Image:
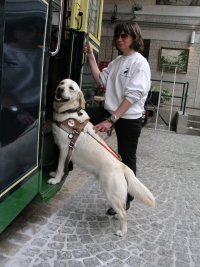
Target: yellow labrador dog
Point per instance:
(91, 153)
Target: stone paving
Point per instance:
(72, 230)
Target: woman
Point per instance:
(127, 82)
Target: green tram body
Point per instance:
(29, 74)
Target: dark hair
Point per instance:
(132, 29)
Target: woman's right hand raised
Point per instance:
(87, 49)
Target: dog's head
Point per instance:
(68, 95)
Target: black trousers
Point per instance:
(127, 131)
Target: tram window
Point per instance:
(94, 17)
(22, 62)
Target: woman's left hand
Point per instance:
(103, 126)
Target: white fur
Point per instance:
(116, 178)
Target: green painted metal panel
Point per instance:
(34, 189)
(47, 191)
(17, 201)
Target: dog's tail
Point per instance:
(137, 189)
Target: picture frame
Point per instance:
(173, 58)
(178, 2)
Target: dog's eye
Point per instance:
(71, 88)
(61, 83)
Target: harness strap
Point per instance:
(77, 128)
(70, 150)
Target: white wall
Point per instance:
(165, 26)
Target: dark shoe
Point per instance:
(127, 205)
(112, 212)
(129, 198)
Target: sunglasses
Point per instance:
(121, 35)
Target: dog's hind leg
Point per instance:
(60, 169)
(121, 212)
(115, 187)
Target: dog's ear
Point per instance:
(81, 100)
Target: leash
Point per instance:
(108, 148)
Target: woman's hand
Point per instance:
(87, 49)
(103, 126)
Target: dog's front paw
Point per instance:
(54, 181)
(119, 233)
(52, 174)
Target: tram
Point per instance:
(41, 43)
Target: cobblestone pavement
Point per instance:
(72, 230)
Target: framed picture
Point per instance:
(173, 58)
(178, 2)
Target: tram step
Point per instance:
(194, 118)
(193, 131)
(193, 124)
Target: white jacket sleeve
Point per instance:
(104, 74)
(138, 86)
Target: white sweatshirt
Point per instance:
(127, 77)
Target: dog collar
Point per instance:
(72, 124)
(78, 110)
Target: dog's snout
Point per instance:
(60, 90)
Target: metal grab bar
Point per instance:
(172, 101)
(59, 29)
(159, 99)
(184, 93)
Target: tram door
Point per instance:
(23, 25)
(28, 78)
